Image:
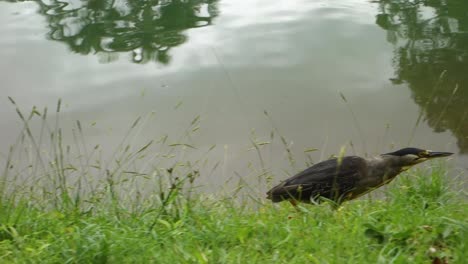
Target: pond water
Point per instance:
(369, 75)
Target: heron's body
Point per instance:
(346, 178)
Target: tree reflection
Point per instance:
(431, 55)
(146, 28)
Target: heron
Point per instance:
(346, 178)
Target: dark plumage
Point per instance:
(325, 179)
(346, 178)
(406, 151)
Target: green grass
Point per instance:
(419, 216)
(64, 206)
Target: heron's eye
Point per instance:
(422, 154)
(412, 157)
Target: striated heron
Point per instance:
(346, 178)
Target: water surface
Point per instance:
(401, 68)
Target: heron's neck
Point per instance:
(383, 168)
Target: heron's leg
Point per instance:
(294, 203)
(336, 205)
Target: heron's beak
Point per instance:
(435, 154)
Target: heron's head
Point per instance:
(408, 157)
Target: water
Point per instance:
(372, 76)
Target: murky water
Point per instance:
(371, 76)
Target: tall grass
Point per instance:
(64, 203)
(50, 175)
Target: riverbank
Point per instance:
(421, 219)
(66, 204)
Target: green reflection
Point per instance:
(431, 56)
(146, 28)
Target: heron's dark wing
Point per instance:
(330, 179)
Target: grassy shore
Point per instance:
(419, 221)
(64, 206)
